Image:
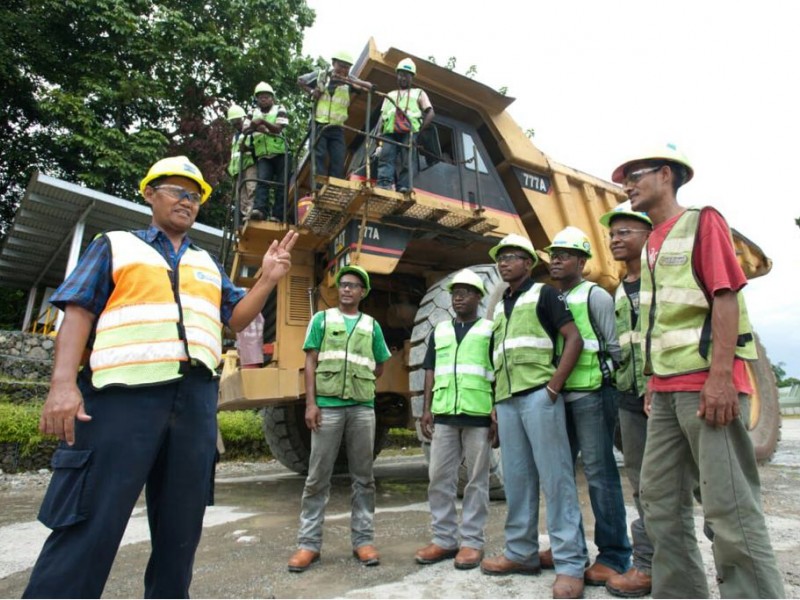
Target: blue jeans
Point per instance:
(387, 162)
(590, 425)
(357, 425)
(330, 145)
(536, 454)
(270, 175)
(163, 437)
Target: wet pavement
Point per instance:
(251, 532)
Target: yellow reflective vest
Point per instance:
(630, 373)
(408, 103)
(331, 108)
(268, 144)
(346, 363)
(147, 328)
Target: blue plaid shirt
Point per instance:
(90, 284)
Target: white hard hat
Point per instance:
(467, 277)
(263, 86)
(624, 210)
(664, 152)
(514, 240)
(407, 65)
(572, 238)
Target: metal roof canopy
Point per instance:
(57, 220)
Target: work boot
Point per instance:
(256, 215)
(432, 553)
(631, 584)
(500, 565)
(367, 555)
(598, 574)
(546, 559)
(468, 558)
(302, 559)
(567, 587)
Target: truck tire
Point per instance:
(289, 439)
(765, 412)
(434, 308)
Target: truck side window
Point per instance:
(470, 151)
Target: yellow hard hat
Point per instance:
(176, 166)
(263, 86)
(665, 152)
(624, 210)
(572, 238)
(342, 56)
(355, 269)
(467, 277)
(407, 65)
(236, 112)
(514, 240)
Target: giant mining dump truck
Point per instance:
(479, 179)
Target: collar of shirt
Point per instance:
(524, 287)
(159, 240)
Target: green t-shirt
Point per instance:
(314, 335)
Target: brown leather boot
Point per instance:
(302, 559)
(500, 565)
(546, 559)
(468, 558)
(433, 553)
(367, 555)
(567, 587)
(598, 574)
(633, 583)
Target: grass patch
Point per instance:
(19, 424)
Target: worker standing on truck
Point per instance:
(345, 351)
(456, 417)
(405, 112)
(242, 160)
(532, 423)
(331, 89)
(148, 306)
(591, 403)
(627, 233)
(696, 337)
(269, 121)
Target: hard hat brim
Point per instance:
(204, 187)
(606, 219)
(361, 273)
(495, 249)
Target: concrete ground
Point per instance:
(250, 534)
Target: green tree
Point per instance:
(95, 91)
(780, 375)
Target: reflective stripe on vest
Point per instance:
(331, 108)
(138, 339)
(674, 311)
(408, 103)
(267, 144)
(463, 377)
(346, 363)
(586, 375)
(236, 155)
(523, 351)
(630, 374)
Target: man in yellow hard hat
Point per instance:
(532, 423)
(591, 402)
(696, 339)
(269, 121)
(148, 308)
(456, 417)
(405, 112)
(331, 89)
(627, 234)
(345, 351)
(242, 160)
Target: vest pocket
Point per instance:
(363, 386)
(524, 356)
(67, 499)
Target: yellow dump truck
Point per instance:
(479, 178)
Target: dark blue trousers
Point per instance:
(162, 437)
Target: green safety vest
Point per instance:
(630, 374)
(523, 350)
(346, 363)
(331, 109)
(462, 382)
(409, 104)
(267, 144)
(233, 167)
(674, 310)
(587, 375)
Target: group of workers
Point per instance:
(547, 378)
(259, 154)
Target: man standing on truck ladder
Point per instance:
(148, 306)
(331, 89)
(345, 352)
(532, 423)
(457, 417)
(627, 233)
(269, 121)
(695, 338)
(591, 403)
(242, 157)
(405, 112)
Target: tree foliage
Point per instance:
(780, 375)
(95, 91)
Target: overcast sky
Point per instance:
(598, 80)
